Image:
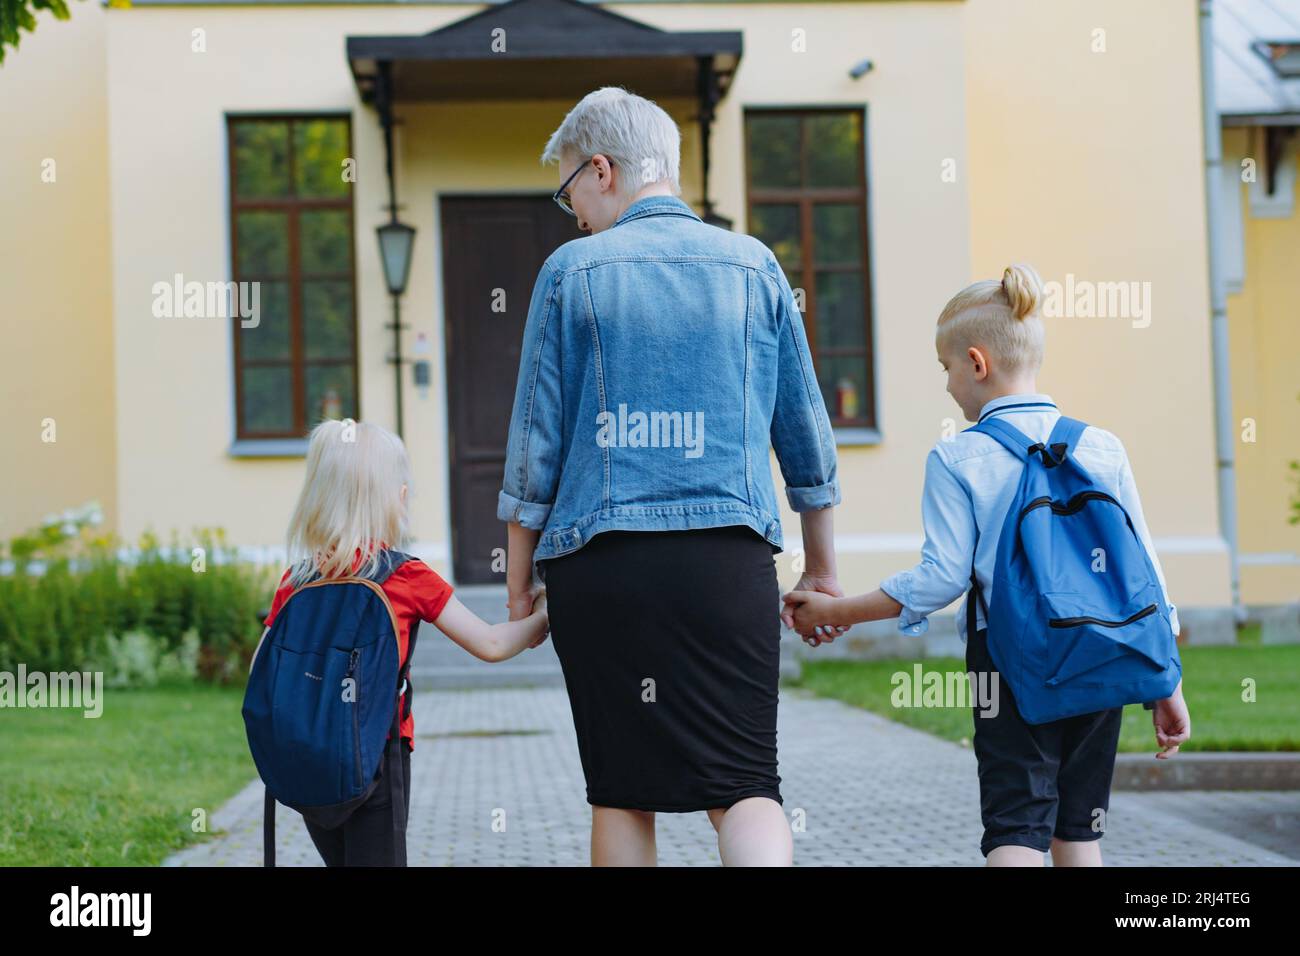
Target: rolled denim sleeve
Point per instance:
(533, 444)
(943, 573)
(801, 429)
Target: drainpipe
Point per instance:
(1224, 429)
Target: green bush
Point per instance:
(138, 659)
(70, 602)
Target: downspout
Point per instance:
(1224, 430)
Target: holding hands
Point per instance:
(814, 615)
(528, 603)
(814, 609)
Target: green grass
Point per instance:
(120, 789)
(1212, 686)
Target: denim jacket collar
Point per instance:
(1016, 401)
(656, 206)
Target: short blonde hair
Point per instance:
(1000, 317)
(635, 132)
(351, 500)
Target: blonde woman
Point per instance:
(350, 512)
(662, 358)
(1041, 785)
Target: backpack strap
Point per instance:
(268, 829)
(389, 562)
(397, 784)
(405, 673)
(976, 594)
(1007, 435)
(1066, 431)
(1018, 443)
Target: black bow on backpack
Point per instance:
(1053, 455)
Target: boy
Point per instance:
(1044, 786)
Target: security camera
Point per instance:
(862, 69)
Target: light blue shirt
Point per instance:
(970, 481)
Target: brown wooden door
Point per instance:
(489, 243)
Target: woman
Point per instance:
(661, 356)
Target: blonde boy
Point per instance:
(1041, 786)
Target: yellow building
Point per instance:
(890, 152)
(1257, 79)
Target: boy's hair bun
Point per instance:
(1002, 318)
(1023, 288)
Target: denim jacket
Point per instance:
(661, 358)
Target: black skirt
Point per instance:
(670, 645)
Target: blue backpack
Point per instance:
(323, 693)
(1077, 622)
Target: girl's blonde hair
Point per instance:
(1001, 317)
(351, 500)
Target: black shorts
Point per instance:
(1040, 780)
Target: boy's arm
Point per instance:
(492, 642)
(820, 618)
(1172, 723)
(1132, 503)
(943, 573)
(940, 578)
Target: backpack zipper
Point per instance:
(356, 711)
(1076, 621)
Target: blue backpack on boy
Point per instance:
(323, 694)
(1077, 622)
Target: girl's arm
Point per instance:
(493, 642)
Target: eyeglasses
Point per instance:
(566, 202)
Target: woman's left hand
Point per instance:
(824, 584)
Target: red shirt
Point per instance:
(417, 593)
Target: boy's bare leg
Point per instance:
(1011, 855)
(622, 837)
(753, 832)
(1076, 852)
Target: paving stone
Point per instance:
(870, 792)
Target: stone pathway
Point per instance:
(867, 790)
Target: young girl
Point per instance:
(1040, 785)
(352, 507)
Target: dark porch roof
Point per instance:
(554, 49)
